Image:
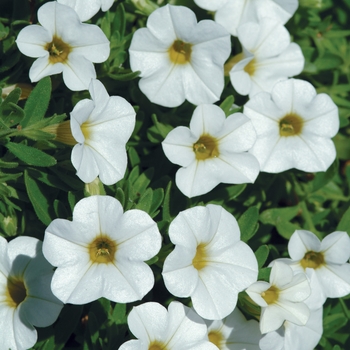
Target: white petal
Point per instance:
(255, 290)
(301, 242)
(240, 79)
(210, 5)
(84, 9)
(99, 95)
(336, 247)
(297, 290)
(79, 115)
(42, 68)
(281, 274)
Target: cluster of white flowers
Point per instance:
(102, 251)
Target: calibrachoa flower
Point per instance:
(87, 8)
(101, 253)
(291, 336)
(234, 332)
(101, 126)
(294, 126)
(26, 299)
(268, 56)
(213, 150)
(210, 263)
(180, 59)
(324, 262)
(233, 13)
(282, 298)
(179, 328)
(63, 45)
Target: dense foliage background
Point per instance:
(38, 182)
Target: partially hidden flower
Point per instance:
(234, 332)
(294, 126)
(291, 336)
(156, 328)
(101, 128)
(282, 298)
(268, 56)
(101, 253)
(213, 150)
(210, 263)
(26, 299)
(324, 262)
(233, 13)
(62, 44)
(87, 8)
(179, 58)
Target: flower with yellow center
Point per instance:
(101, 253)
(324, 262)
(234, 332)
(213, 150)
(101, 128)
(210, 263)
(232, 14)
(63, 44)
(268, 56)
(294, 126)
(179, 58)
(26, 299)
(282, 298)
(178, 328)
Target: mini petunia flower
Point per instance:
(178, 328)
(282, 298)
(102, 127)
(213, 150)
(179, 58)
(234, 332)
(294, 127)
(63, 45)
(101, 253)
(324, 262)
(26, 299)
(268, 56)
(87, 8)
(210, 263)
(233, 13)
(291, 336)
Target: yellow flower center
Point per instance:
(156, 345)
(200, 260)
(102, 250)
(270, 295)
(250, 67)
(58, 50)
(313, 260)
(216, 338)
(291, 125)
(85, 129)
(180, 52)
(16, 292)
(206, 147)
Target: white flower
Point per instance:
(234, 332)
(180, 59)
(291, 336)
(63, 44)
(213, 150)
(282, 298)
(26, 299)
(233, 13)
(294, 126)
(179, 328)
(325, 263)
(268, 56)
(210, 263)
(87, 8)
(101, 126)
(101, 253)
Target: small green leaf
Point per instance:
(119, 314)
(30, 155)
(38, 200)
(286, 229)
(344, 224)
(140, 185)
(261, 255)
(248, 223)
(166, 203)
(276, 215)
(227, 104)
(37, 103)
(145, 201)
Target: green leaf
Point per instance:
(140, 185)
(344, 224)
(166, 203)
(145, 201)
(37, 103)
(38, 200)
(30, 155)
(118, 24)
(12, 97)
(158, 196)
(261, 255)
(119, 314)
(277, 215)
(286, 229)
(248, 223)
(322, 178)
(264, 274)
(227, 104)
